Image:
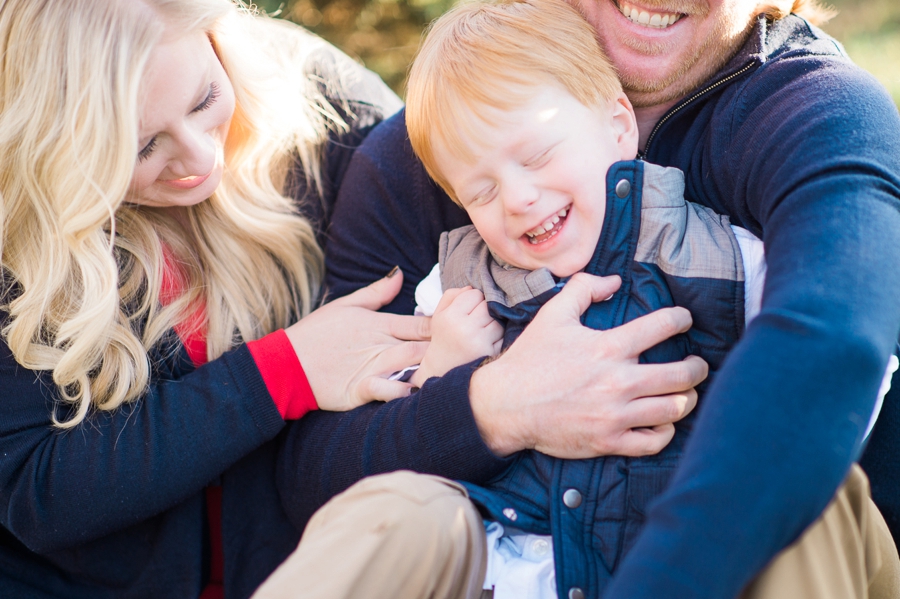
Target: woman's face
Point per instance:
(184, 114)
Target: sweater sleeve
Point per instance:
(810, 156)
(60, 489)
(283, 375)
(388, 212)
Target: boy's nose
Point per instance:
(518, 195)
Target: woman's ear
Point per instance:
(625, 125)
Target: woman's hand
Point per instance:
(348, 350)
(574, 392)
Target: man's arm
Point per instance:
(810, 156)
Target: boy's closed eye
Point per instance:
(482, 197)
(540, 159)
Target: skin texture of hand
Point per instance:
(462, 330)
(574, 392)
(348, 350)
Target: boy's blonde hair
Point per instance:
(82, 269)
(494, 54)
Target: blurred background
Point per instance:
(384, 34)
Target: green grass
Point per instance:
(870, 32)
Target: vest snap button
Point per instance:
(623, 188)
(572, 498)
(511, 514)
(576, 593)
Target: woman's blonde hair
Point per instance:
(82, 269)
(495, 54)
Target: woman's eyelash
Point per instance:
(148, 149)
(211, 97)
(214, 92)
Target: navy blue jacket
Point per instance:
(794, 143)
(667, 253)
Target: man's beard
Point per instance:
(705, 61)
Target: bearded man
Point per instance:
(773, 126)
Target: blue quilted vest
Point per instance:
(668, 252)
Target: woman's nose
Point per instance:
(195, 155)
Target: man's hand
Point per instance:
(573, 392)
(348, 350)
(462, 330)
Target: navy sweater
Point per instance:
(794, 143)
(115, 507)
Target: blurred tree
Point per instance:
(385, 34)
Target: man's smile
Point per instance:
(648, 18)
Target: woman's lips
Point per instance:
(186, 182)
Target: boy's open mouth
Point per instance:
(641, 16)
(548, 228)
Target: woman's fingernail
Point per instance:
(394, 271)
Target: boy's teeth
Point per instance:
(648, 19)
(548, 225)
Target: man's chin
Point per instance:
(648, 97)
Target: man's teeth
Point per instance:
(648, 19)
(548, 224)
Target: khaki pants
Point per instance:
(405, 535)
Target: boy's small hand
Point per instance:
(462, 330)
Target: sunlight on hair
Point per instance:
(495, 54)
(83, 269)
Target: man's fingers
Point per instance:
(633, 338)
(648, 412)
(645, 441)
(579, 292)
(672, 377)
(375, 295)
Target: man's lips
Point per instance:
(186, 182)
(646, 17)
(548, 228)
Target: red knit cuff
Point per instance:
(283, 375)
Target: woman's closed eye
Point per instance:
(210, 98)
(147, 150)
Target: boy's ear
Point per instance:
(625, 125)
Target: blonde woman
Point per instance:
(158, 289)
